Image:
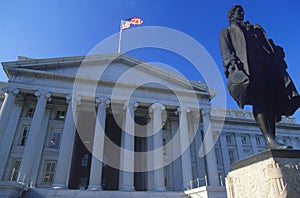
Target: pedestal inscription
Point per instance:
(270, 174)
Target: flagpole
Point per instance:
(120, 37)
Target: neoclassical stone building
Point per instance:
(112, 122)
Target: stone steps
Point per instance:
(49, 193)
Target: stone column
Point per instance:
(64, 161)
(98, 145)
(211, 160)
(157, 110)
(9, 136)
(126, 179)
(6, 108)
(186, 163)
(34, 135)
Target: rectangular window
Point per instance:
(229, 139)
(15, 170)
(31, 111)
(231, 154)
(286, 141)
(55, 139)
(85, 160)
(24, 135)
(258, 140)
(245, 139)
(49, 171)
(60, 115)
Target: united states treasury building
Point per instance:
(112, 134)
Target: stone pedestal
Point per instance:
(269, 174)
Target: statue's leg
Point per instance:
(267, 128)
(271, 123)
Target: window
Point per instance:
(49, 172)
(245, 139)
(285, 140)
(231, 154)
(24, 135)
(258, 140)
(31, 111)
(85, 160)
(55, 139)
(15, 170)
(60, 115)
(229, 139)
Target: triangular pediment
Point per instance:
(112, 68)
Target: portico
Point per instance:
(134, 139)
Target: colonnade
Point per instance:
(126, 174)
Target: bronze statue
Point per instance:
(271, 92)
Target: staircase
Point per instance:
(49, 193)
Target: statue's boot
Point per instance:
(271, 143)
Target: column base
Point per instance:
(127, 188)
(59, 186)
(95, 188)
(159, 189)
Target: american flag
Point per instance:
(135, 21)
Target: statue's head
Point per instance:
(236, 13)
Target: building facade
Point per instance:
(111, 122)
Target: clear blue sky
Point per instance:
(55, 28)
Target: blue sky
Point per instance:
(53, 28)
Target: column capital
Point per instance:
(156, 107)
(102, 101)
(182, 109)
(43, 94)
(130, 103)
(205, 112)
(11, 90)
(76, 98)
